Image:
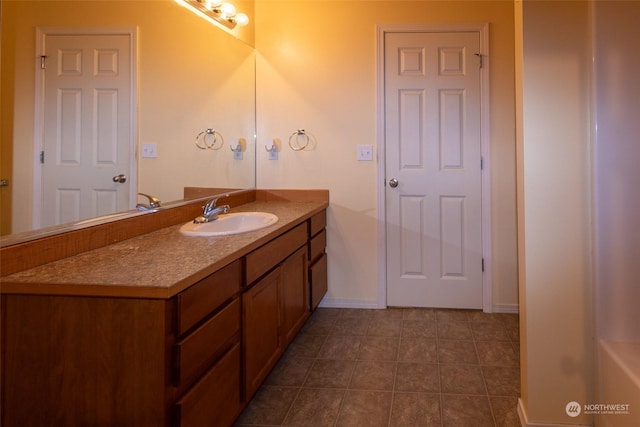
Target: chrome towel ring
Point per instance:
(299, 140)
(209, 144)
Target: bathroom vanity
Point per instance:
(161, 329)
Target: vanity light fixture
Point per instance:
(216, 11)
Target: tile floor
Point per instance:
(395, 367)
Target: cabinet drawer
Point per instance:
(215, 399)
(318, 280)
(317, 245)
(317, 223)
(202, 347)
(195, 303)
(266, 257)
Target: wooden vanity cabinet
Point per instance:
(195, 359)
(276, 305)
(94, 361)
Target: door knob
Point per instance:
(122, 178)
(393, 183)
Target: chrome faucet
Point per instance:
(210, 211)
(154, 203)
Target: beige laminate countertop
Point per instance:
(159, 264)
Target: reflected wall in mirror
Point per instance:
(191, 76)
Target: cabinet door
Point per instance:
(261, 315)
(295, 294)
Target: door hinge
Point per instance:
(43, 61)
(42, 157)
(483, 265)
(479, 55)
(481, 163)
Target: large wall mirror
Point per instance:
(191, 75)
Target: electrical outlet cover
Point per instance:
(365, 152)
(149, 150)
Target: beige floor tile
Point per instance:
(418, 377)
(461, 379)
(269, 405)
(330, 373)
(489, 332)
(466, 410)
(454, 330)
(306, 345)
(502, 381)
(379, 348)
(340, 347)
(497, 353)
(365, 408)
(505, 411)
(315, 407)
(396, 367)
(350, 326)
(443, 314)
(385, 327)
(419, 314)
(415, 409)
(457, 351)
(290, 371)
(423, 328)
(373, 375)
(417, 349)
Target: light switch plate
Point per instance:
(149, 150)
(365, 152)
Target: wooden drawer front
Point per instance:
(215, 399)
(317, 223)
(318, 276)
(266, 257)
(195, 303)
(200, 349)
(317, 245)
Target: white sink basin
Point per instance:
(232, 223)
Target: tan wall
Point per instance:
(554, 210)
(317, 70)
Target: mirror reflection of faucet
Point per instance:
(210, 211)
(154, 203)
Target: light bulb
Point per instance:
(212, 4)
(228, 10)
(241, 19)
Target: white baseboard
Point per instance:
(352, 303)
(524, 422)
(506, 308)
(346, 303)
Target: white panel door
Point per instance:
(86, 127)
(432, 143)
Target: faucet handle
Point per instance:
(154, 202)
(210, 204)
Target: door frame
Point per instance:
(38, 122)
(483, 30)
